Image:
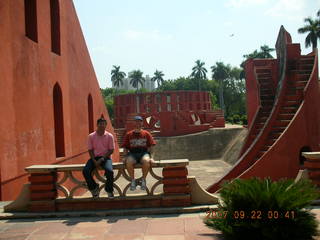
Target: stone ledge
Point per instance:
(117, 165)
(105, 213)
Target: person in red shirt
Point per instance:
(138, 145)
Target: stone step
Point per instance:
(107, 213)
(267, 97)
(275, 134)
(291, 103)
(298, 83)
(263, 70)
(285, 116)
(281, 123)
(306, 60)
(293, 98)
(284, 110)
(264, 75)
(271, 141)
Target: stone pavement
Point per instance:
(164, 227)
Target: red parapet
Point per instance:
(172, 113)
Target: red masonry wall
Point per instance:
(29, 71)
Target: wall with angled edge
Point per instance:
(29, 71)
(282, 159)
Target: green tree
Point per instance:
(117, 76)
(265, 52)
(221, 73)
(199, 72)
(158, 76)
(313, 29)
(136, 78)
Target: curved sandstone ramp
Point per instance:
(277, 136)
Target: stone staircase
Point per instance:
(267, 96)
(291, 102)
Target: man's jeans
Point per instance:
(107, 166)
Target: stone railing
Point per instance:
(54, 187)
(312, 164)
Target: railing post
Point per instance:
(176, 189)
(312, 164)
(43, 191)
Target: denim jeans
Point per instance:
(108, 172)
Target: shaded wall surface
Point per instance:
(211, 144)
(30, 69)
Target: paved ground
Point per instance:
(164, 227)
(174, 227)
(151, 227)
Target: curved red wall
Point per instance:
(29, 71)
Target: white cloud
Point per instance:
(151, 35)
(242, 3)
(290, 9)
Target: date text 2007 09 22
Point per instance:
(254, 214)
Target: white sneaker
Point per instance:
(110, 195)
(143, 184)
(133, 185)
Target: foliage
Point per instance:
(136, 78)
(199, 72)
(117, 76)
(264, 209)
(264, 52)
(313, 29)
(158, 77)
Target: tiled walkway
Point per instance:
(161, 227)
(184, 227)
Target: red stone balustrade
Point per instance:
(62, 188)
(312, 164)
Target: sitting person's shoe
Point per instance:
(143, 184)
(110, 195)
(95, 192)
(133, 185)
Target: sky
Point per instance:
(170, 35)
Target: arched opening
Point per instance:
(58, 121)
(30, 15)
(55, 26)
(302, 159)
(90, 114)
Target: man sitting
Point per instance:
(100, 148)
(138, 148)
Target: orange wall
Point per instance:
(29, 71)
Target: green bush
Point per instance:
(261, 209)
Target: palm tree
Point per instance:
(265, 52)
(221, 72)
(136, 78)
(158, 76)
(313, 30)
(117, 76)
(199, 71)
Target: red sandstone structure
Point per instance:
(50, 97)
(172, 113)
(283, 114)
